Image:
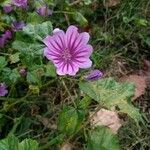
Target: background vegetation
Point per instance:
(39, 105)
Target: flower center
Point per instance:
(66, 55)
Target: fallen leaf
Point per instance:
(140, 84)
(106, 118)
(146, 71)
(47, 122)
(140, 78)
(66, 146)
(147, 65)
(111, 3)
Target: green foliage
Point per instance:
(30, 39)
(8, 75)
(50, 70)
(28, 144)
(14, 76)
(14, 58)
(102, 138)
(29, 43)
(147, 40)
(5, 2)
(87, 2)
(34, 18)
(85, 102)
(121, 39)
(70, 120)
(77, 16)
(12, 143)
(141, 22)
(9, 143)
(33, 47)
(33, 78)
(38, 31)
(3, 62)
(108, 93)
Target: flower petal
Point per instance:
(70, 69)
(71, 34)
(60, 38)
(60, 70)
(56, 30)
(50, 55)
(82, 39)
(52, 43)
(84, 63)
(46, 40)
(84, 51)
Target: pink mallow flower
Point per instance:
(68, 51)
(20, 3)
(3, 90)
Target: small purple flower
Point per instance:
(44, 11)
(94, 75)
(5, 37)
(2, 42)
(23, 72)
(7, 8)
(18, 25)
(20, 3)
(68, 51)
(3, 90)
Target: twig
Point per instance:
(67, 19)
(75, 2)
(63, 12)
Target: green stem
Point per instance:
(48, 83)
(13, 101)
(84, 124)
(52, 142)
(67, 90)
(8, 99)
(63, 12)
(75, 2)
(5, 54)
(11, 90)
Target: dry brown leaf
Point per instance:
(147, 65)
(147, 70)
(111, 3)
(46, 122)
(107, 118)
(140, 78)
(66, 146)
(140, 84)
(35, 110)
